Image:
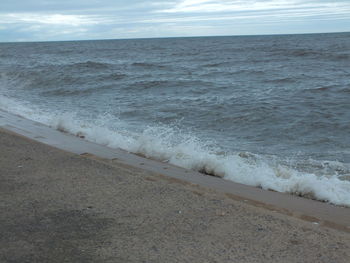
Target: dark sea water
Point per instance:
(268, 111)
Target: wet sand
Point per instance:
(58, 206)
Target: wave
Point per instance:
(217, 65)
(78, 67)
(313, 54)
(285, 80)
(147, 65)
(62, 92)
(155, 84)
(304, 52)
(345, 89)
(330, 88)
(170, 144)
(91, 64)
(51, 82)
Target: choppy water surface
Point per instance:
(268, 111)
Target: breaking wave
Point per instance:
(172, 145)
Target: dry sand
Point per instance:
(61, 207)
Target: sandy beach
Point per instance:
(58, 206)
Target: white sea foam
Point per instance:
(170, 145)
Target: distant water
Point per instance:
(267, 111)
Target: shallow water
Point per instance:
(268, 111)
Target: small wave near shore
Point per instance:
(170, 144)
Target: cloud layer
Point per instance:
(38, 20)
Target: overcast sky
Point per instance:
(38, 20)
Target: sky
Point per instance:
(51, 20)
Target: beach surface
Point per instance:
(58, 206)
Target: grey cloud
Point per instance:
(76, 5)
(78, 19)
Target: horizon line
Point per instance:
(170, 37)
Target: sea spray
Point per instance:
(168, 144)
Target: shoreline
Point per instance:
(61, 206)
(322, 213)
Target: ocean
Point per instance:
(267, 111)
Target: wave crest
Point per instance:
(170, 144)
